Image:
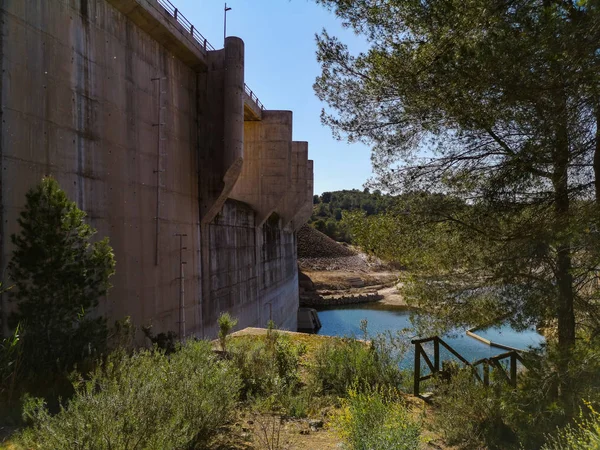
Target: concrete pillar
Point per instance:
(296, 189)
(305, 211)
(233, 111)
(221, 145)
(221, 126)
(266, 173)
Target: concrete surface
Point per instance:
(295, 196)
(144, 129)
(305, 211)
(266, 173)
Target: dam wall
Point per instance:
(153, 133)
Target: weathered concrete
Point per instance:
(79, 103)
(221, 126)
(3, 310)
(233, 268)
(295, 196)
(278, 273)
(252, 111)
(152, 18)
(305, 211)
(266, 173)
(144, 129)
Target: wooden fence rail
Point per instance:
(486, 363)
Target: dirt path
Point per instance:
(391, 297)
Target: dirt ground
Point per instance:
(385, 283)
(391, 296)
(340, 279)
(266, 432)
(257, 431)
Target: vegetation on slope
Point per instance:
(329, 207)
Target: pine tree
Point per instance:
(59, 275)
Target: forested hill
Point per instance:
(328, 208)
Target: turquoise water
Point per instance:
(345, 321)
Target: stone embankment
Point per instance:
(313, 299)
(310, 297)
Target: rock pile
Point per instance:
(314, 244)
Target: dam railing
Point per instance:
(253, 96)
(190, 28)
(487, 364)
(185, 23)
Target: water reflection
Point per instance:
(345, 321)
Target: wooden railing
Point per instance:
(486, 364)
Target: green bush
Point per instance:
(270, 372)
(500, 417)
(342, 363)
(538, 407)
(267, 367)
(585, 435)
(11, 356)
(472, 415)
(226, 324)
(376, 419)
(146, 400)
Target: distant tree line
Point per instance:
(330, 206)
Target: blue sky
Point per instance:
(281, 67)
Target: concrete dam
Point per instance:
(155, 135)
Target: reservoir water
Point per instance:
(345, 321)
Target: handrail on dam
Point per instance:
(253, 97)
(188, 26)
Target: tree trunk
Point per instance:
(597, 151)
(565, 312)
(564, 309)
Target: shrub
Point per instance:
(472, 415)
(537, 407)
(343, 363)
(226, 324)
(585, 435)
(146, 400)
(376, 419)
(59, 275)
(500, 417)
(11, 356)
(166, 342)
(267, 368)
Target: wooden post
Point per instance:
(513, 369)
(417, 377)
(436, 355)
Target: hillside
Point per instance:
(329, 206)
